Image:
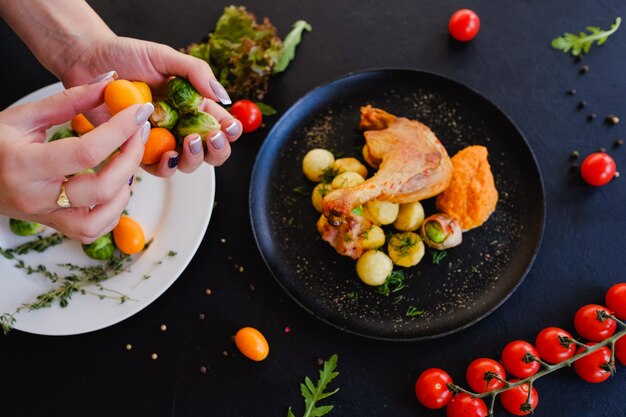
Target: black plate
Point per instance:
(470, 282)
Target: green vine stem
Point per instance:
(548, 369)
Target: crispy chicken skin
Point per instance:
(414, 165)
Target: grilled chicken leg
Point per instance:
(414, 165)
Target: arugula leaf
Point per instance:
(292, 40)
(313, 393)
(266, 109)
(581, 43)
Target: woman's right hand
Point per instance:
(33, 172)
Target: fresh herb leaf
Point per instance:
(581, 43)
(438, 255)
(303, 190)
(266, 109)
(328, 176)
(358, 211)
(38, 245)
(292, 40)
(312, 393)
(394, 283)
(413, 312)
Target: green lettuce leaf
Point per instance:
(292, 40)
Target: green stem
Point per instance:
(493, 403)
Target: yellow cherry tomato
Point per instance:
(252, 344)
(128, 236)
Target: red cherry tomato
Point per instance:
(516, 359)
(620, 350)
(464, 25)
(551, 349)
(464, 405)
(514, 400)
(589, 325)
(248, 113)
(431, 388)
(592, 368)
(616, 300)
(598, 169)
(477, 375)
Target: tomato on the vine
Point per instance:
(431, 388)
(550, 347)
(464, 405)
(594, 367)
(616, 300)
(517, 359)
(483, 369)
(248, 113)
(515, 399)
(598, 169)
(590, 324)
(464, 25)
(620, 350)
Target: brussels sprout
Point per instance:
(441, 231)
(201, 123)
(64, 132)
(25, 228)
(101, 249)
(164, 115)
(183, 96)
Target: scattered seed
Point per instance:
(591, 117)
(163, 327)
(612, 119)
(603, 150)
(584, 69)
(571, 92)
(208, 291)
(224, 353)
(154, 356)
(128, 346)
(287, 329)
(573, 168)
(618, 143)
(574, 155)
(252, 287)
(579, 58)
(319, 361)
(203, 369)
(616, 174)
(222, 240)
(201, 316)
(241, 269)
(582, 104)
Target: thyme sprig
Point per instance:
(38, 245)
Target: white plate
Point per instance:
(175, 212)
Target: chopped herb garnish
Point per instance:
(413, 312)
(493, 242)
(328, 175)
(302, 190)
(358, 211)
(353, 295)
(394, 283)
(398, 298)
(438, 255)
(172, 253)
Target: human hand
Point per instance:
(155, 64)
(32, 172)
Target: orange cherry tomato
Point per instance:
(81, 125)
(121, 94)
(144, 89)
(252, 343)
(159, 141)
(128, 236)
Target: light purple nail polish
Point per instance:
(195, 145)
(234, 129)
(111, 75)
(220, 92)
(145, 132)
(218, 140)
(144, 112)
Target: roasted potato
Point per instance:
(372, 238)
(410, 217)
(342, 165)
(316, 162)
(318, 194)
(405, 249)
(382, 212)
(373, 267)
(347, 179)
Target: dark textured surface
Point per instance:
(511, 63)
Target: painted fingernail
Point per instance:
(145, 132)
(130, 181)
(234, 129)
(195, 145)
(173, 161)
(220, 92)
(218, 140)
(111, 75)
(144, 112)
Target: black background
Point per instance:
(511, 63)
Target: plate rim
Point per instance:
(372, 71)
